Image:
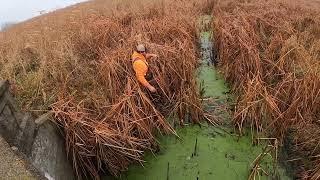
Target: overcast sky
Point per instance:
(20, 10)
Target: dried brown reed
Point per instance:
(120, 116)
(77, 62)
(269, 51)
(304, 150)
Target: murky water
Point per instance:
(202, 153)
(206, 152)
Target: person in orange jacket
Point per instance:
(141, 66)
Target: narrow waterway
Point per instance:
(206, 152)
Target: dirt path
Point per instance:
(12, 166)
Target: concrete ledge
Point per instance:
(38, 139)
(48, 154)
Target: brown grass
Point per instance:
(305, 150)
(76, 62)
(269, 51)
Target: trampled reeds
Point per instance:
(76, 61)
(269, 52)
(121, 117)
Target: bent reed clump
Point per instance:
(76, 63)
(269, 52)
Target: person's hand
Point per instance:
(152, 89)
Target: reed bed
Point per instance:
(304, 150)
(76, 63)
(269, 52)
(116, 119)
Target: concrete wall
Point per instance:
(37, 138)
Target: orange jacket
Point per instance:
(140, 66)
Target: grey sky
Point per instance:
(20, 10)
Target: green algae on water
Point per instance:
(217, 155)
(204, 152)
